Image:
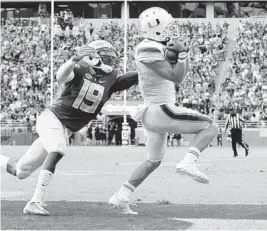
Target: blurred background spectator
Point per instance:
(25, 63)
(245, 85)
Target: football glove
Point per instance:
(83, 52)
(178, 48)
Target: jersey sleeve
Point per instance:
(81, 70)
(125, 81)
(149, 52)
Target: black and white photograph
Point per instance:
(133, 115)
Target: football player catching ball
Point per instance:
(158, 75)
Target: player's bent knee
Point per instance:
(23, 172)
(22, 175)
(60, 148)
(153, 164)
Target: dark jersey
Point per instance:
(84, 96)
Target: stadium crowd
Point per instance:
(25, 65)
(207, 49)
(245, 86)
(25, 68)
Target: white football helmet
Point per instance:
(106, 57)
(156, 24)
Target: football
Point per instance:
(171, 56)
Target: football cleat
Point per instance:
(35, 208)
(191, 170)
(121, 204)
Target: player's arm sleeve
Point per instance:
(125, 81)
(65, 72)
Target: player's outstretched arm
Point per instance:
(65, 72)
(125, 81)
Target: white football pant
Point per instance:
(168, 118)
(53, 137)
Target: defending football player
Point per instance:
(159, 115)
(88, 81)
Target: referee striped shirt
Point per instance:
(235, 122)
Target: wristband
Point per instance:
(182, 57)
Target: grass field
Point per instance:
(235, 199)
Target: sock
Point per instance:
(3, 161)
(191, 156)
(126, 191)
(44, 179)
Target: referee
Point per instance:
(235, 122)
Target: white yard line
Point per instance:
(11, 194)
(225, 224)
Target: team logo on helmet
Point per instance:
(157, 24)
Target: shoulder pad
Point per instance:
(149, 51)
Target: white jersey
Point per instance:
(154, 88)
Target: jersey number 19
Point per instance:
(89, 97)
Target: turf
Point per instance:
(93, 215)
(235, 199)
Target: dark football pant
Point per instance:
(237, 138)
(219, 141)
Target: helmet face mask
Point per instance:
(157, 24)
(172, 30)
(106, 57)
